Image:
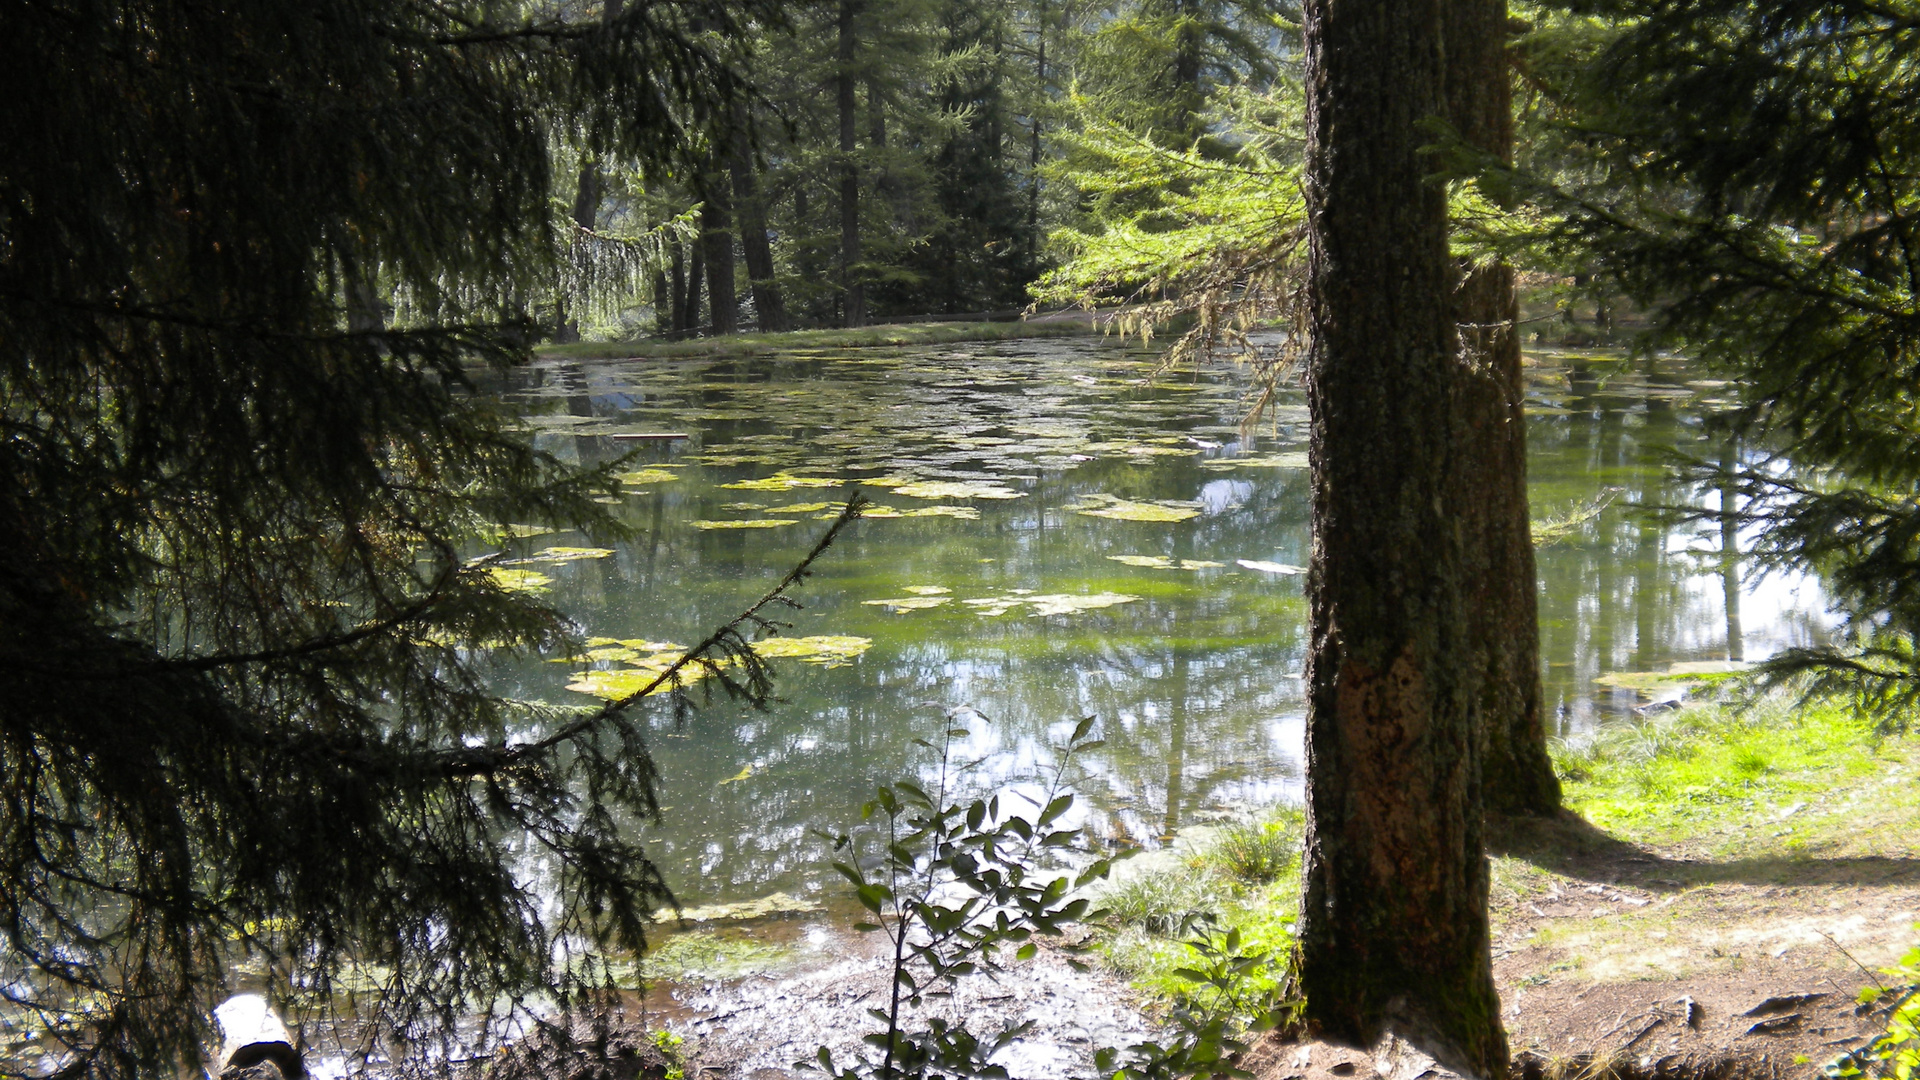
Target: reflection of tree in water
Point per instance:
(1188, 682)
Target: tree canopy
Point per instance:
(242, 627)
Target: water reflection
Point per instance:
(1194, 679)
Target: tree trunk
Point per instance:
(716, 246)
(679, 307)
(1517, 774)
(586, 208)
(769, 311)
(1393, 931)
(662, 304)
(853, 291)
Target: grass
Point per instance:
(1771, 788)
(1777, 779)
(1244, 875)
(933, 333)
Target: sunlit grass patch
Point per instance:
(1736, 779)
(1244, 875)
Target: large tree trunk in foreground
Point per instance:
(1393, 931)
(1517, 775)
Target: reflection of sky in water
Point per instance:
(1194, 681)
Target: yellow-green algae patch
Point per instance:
(827, 650)
(957, 489)
(524, 581)
(1162, 562)
(565, 555)
(897, 604)
(784, 482)
(746, 523)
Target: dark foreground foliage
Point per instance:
(241, 717)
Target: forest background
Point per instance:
(252, 251)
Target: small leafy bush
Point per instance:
(1895, 1052)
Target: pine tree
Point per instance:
(1393, 931)
(242, 634)
(1750, 173)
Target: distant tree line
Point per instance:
(905, 157)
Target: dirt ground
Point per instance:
(1649, 962)
(1635, 961)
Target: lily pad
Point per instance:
(778, 904)
(748, 523)
(523, 581)
(957, 489)
(616, 683)
(1071, 604)
(743, 507)
(959, 513)
(803, 508)
(1294, 459)
(909, 603)
(994, 605)
(1126, 510)
(565, 555)
(827, 650)
(1271, 567)
(927, 590)
(784, 482)
(1162, 562)
(642, 477)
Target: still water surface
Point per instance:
(1021, 591)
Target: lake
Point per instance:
(1058, 533)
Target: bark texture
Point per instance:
(770, 312)
(1517, 774)
(1393, 931)
(853, 290)
(716, 246)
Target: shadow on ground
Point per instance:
(1573, 847)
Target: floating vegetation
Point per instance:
(1043, 604)
(1686, 674)
(641, 644)
(565, 555)
(643, 477)
(1117, 509)
(778, 904)
(957, 489)
(958, 513)
(522, 581)
(827, 650)
(745, 507)
(613, 684)
(898, 604)
(745, 771)
(1162, 562)
(1293, 459)
(1563, 527)
(1069, 604)
(784, 482)
(745, 523)
(804, 508)
(1270, 567)
(927, 590)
